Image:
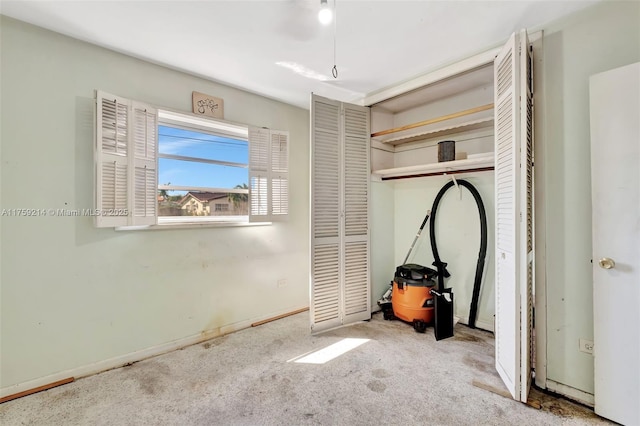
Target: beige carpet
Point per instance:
(397, 377)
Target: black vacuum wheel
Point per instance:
(419, 325)
(387, 314)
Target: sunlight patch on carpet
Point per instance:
(330, 352)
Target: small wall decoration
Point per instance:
(208, 105)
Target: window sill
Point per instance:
(196, 224)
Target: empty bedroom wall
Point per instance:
(73, 296)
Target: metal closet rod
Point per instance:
(433, 120)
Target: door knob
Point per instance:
(606, 263)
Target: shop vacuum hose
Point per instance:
(483, 244)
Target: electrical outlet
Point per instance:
(282, 283)
(586, 346)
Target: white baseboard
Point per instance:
(122, 360)
(571, 393)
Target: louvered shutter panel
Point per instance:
(259, 166)
(326, 255)
(111, 157)
(279, 195)
(144, 165)
(357, 304)
(514, 215)
(340, 284)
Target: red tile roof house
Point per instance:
(206, 204)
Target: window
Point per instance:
(161, 167)
(202, 163)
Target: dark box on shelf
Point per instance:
(446, 151)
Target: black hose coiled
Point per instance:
(441, 266)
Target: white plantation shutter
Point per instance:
(514, 210)
(112, 161)
(258, 199)
(126, 164)
(145, 186)
(114, 185)
(279, 174)
(268, 174)
(339, 214)
(258, 174)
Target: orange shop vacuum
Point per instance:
(409, 297)
(412, 296)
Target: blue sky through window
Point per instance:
(190, 143)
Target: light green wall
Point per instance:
(599, 38)
(71, 294)
(382, 239)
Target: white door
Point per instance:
(340, 284)
(514, 214)
(615, 186)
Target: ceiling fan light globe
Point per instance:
(325, 16)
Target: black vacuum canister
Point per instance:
(443, 326)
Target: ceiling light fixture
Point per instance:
(325, 16)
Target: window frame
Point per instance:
(209, 126)
(229, 129)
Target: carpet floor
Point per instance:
(396, 377)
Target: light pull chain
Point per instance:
(334, 70)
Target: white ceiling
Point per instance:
(245, 43)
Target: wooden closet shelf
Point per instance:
(433, 120)
(440, 131)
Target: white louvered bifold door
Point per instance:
(326, 253)
(340, 285)
(357, 304)
(144, 165)
(526, 247)
(507, 322)
(259, 174)
(111, 156)
(513, 186)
